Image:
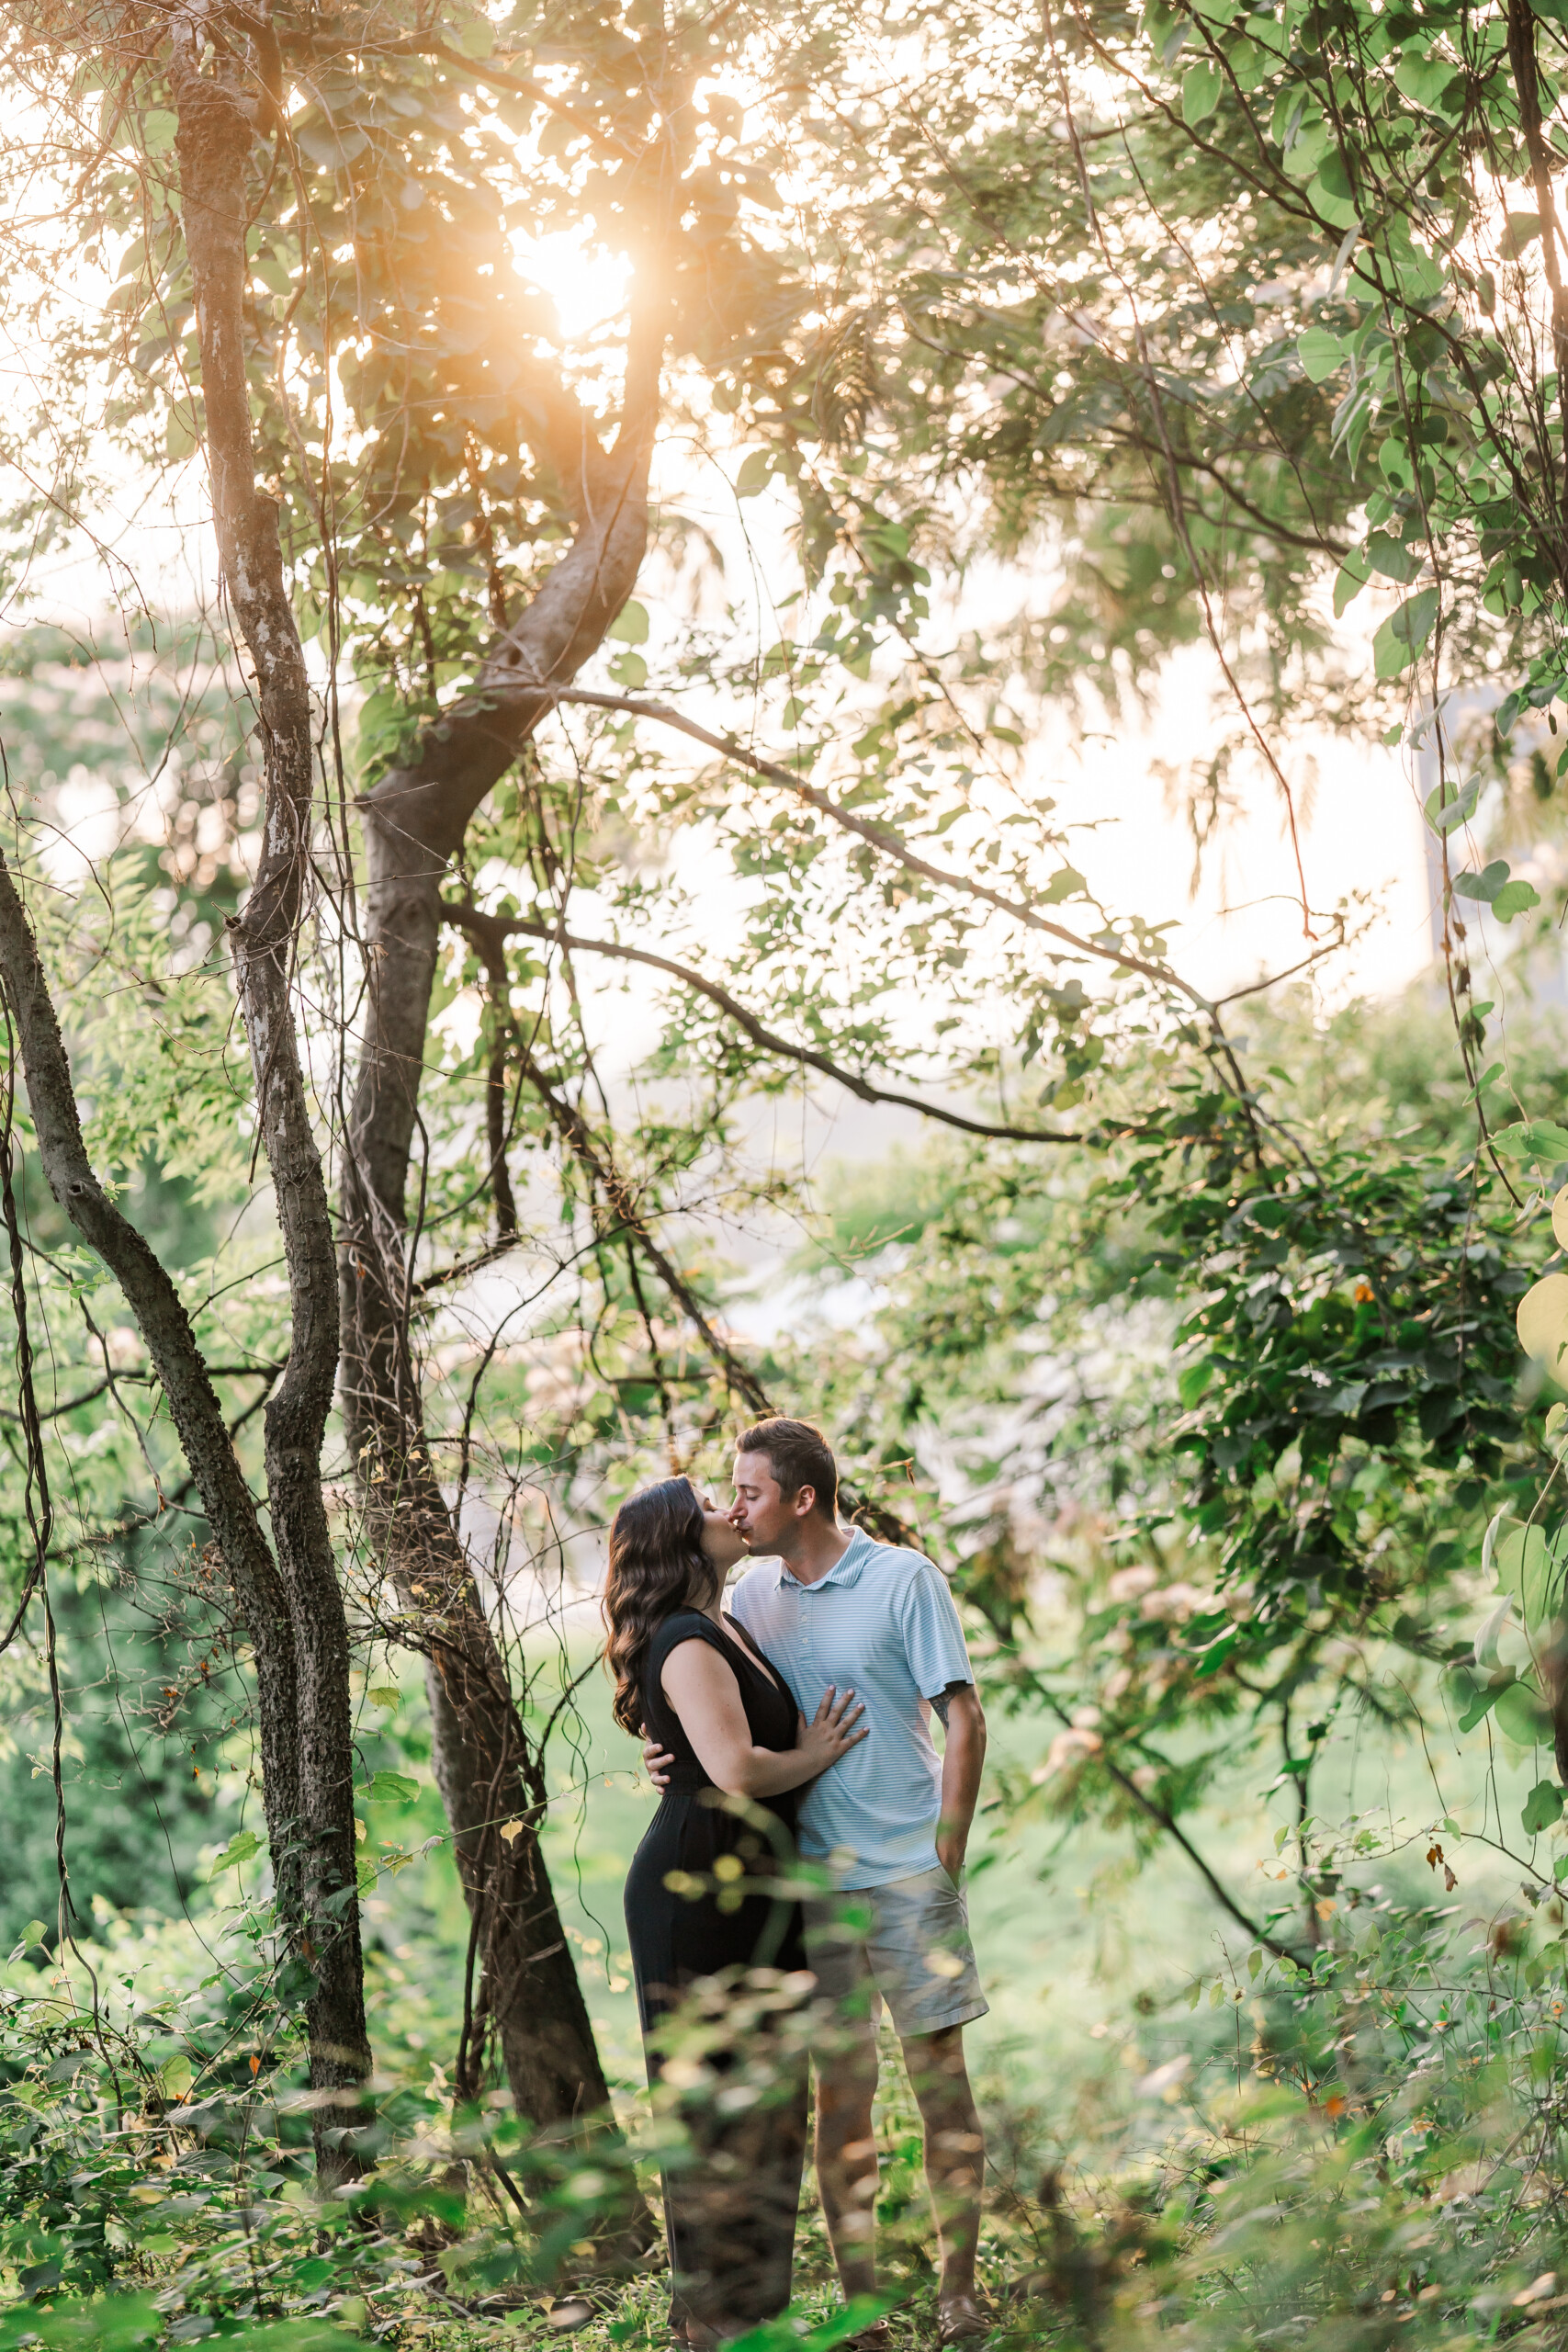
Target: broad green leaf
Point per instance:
(1444, 815)
(1522, 1717)
(385, 1694)
(1532, 1139)
(1322, 355)
(756, 472)
(1483, 885)
(391, 1788)
(240, 1849)
(1199, 92)
(630, 625)
(1527, 1571)
(1349, 580)
(324, 143)
(177, 2074)
(1063, 884)
(1475, 1696)
(1542, 1807)
(1426, 79)
(1391, 559)
(1399, 641)
(1514, 899)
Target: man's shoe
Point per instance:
(961, 2319)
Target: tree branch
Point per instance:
(892, 845)
(467, 917)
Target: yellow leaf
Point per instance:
(1543, 1320)
(1560, 1218)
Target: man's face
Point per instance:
(762, 1515)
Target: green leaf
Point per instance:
(324, 143)
(1200, 92)
(630, 625)
(1532, 1139)
(1348, 581)
(476, 38)
(1522, 1717)
(1402, 635)
(1322, 355)
(1542, 1807)
(1514, 899)
(756, 472)
(1473, 1699)
(1483, 885)
(1063, 884)
(391, 1788)
(629, 670)
(1391, 559)
(241, 1847)
(385, 1694)
(177, 2074)
(1444, 815)
(1527, 1568)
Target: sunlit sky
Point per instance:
(1356, 806)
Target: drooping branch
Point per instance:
(463, 911)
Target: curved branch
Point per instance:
(892, 845)
(468, 917)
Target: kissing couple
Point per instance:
(798, 1720)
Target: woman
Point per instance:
(686, 1674)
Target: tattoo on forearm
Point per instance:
(944, 1699)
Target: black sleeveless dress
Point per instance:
(730, 2210)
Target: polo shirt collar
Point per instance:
(846, 1570)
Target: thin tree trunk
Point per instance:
(213, 145)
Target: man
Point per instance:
(892, 1822)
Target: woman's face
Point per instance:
(721, 1542)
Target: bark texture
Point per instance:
(414, 823)
(215, 107)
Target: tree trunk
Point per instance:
(212, 146)
(414, 821)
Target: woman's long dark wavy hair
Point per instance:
(657, 1566)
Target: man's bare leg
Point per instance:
(846, 2155)
(955, 2160)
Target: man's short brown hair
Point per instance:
(801, 1456)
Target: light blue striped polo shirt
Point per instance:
(881, 1622)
